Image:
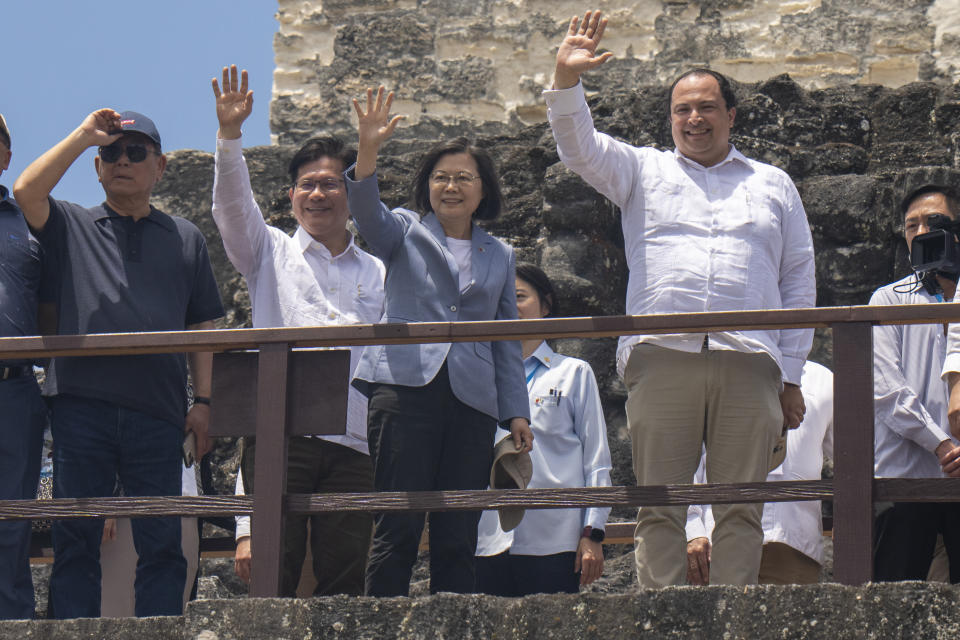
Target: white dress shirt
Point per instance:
(570, 450)
(952, 363)
(798, 524)
(294, 281)
(731, 237)
(910, 398)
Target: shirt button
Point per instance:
(453, 307)
(332, 316)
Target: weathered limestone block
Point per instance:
(827, 611)
(160, 628)
(485, 62)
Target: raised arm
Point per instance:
(34, 185)
(234, 104)
(235, 210)
(577, 52)
(374, 127)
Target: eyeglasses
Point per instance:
(327, 186)
(135, 152)
(461, 179)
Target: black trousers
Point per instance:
(520, 575)
(905, 536)
(425, 439)
(339, 541)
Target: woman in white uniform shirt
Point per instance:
(551, 550)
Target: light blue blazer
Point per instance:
(422, 285)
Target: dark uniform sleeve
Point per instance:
(52, 235)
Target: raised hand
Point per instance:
(374, 126)
(101, 128)
(577, 52)
(234, 104)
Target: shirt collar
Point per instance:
(155, 216)
(305, 241)
(544, 354)
(732, 155)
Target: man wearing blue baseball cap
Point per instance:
(122, 266)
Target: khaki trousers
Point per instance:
(676, 401)
(782, 564)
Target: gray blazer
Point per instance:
(422, 285)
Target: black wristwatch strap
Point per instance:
(201, 400)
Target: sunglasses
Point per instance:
(135, 152)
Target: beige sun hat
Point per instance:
(511, 470)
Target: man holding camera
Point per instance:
(911, 438)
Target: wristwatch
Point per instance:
(597, 535)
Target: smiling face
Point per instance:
(125, 180)
(454, 200)
(319, 200)
(699, 119)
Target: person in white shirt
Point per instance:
(911, 435)
(705, 229)
(317, 277)
(792, 531)
(551, 550)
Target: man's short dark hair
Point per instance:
(952, 196)
(489, 208)
(729, 97)
(536, 278)
(320, 147)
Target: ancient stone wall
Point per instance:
(485, 62)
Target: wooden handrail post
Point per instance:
(853, 452)
(270, 471)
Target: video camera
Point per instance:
(938, 250)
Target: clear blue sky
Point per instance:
(62, 59)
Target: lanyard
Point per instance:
(533, 372)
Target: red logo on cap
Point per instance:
(124, 123)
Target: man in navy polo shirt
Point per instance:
(122, 266)
(24, 413)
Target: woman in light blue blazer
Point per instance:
(434, 408)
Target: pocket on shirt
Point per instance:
(369, 305)
(663, 203)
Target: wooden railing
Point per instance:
(853, 489)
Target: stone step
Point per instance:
(900, 610)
